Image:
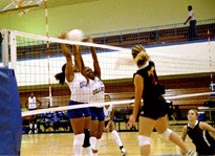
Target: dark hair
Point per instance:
(107, 95)
(1, 38)
(189, 7)
(61, 76)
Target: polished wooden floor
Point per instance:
(60, 144)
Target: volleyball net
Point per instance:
(36, 59)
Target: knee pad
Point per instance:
(115, 134)
(79, 139)
(86, 138)
(143, 140)
(166, 133)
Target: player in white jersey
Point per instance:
(109, 126)
(78, 85)
(32, 103)
(97, 89)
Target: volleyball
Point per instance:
(75, 35)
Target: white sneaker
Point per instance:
(123, 152)
(191, 153)
(30, 132)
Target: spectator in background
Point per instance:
(192, 32)
(32, 103)
(109, 112)
(199, 133)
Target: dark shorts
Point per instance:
(77, 113)
(154, 108)
(97, 113)
(203, 150)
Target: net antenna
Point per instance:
(21, 5)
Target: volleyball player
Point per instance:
(153, 113)
(78, 85)
(97, 89)
(109, 126)
(199, 132)
(32, 103)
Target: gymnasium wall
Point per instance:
(108, 15)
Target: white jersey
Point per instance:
(107, 112)
(78, 88)
(192, 15)
(32, 103)
(97, 91)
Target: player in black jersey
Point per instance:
(153, 113)
(200, 134)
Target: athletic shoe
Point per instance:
(191, 153)
(123, 152)
(35, 131)
(30, 132)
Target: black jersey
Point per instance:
(204, 142)
(154, 104)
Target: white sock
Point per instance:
(93, 141)
(95, 154)
(31, 126)
(77, 144)
(88, 151)
(117, 138)
(97, 144)
(35, 126)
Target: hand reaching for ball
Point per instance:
(62, 36)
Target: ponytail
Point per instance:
(61, 76)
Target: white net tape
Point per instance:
(169, 60)
(64, 108)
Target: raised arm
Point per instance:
(97, 69)
(69, 71)
(78, 58)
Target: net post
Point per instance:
(13, 50)
(5, 50)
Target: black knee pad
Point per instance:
(86, 138)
